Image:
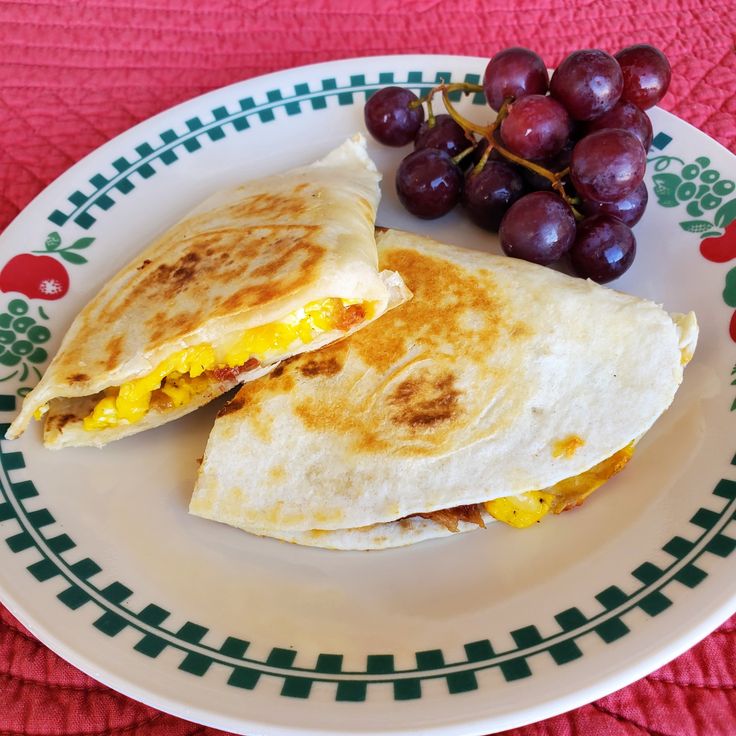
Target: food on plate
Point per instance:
(502, 390)
(581, 136)
(254, 274)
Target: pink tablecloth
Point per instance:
(75, 74)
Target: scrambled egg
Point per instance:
(528, 508)
(181, 375)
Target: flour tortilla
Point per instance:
(245, 257)
(460, 396)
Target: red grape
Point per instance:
(539, 227)
(513, 73)
(388, 117)
(557, 163)
(429, 183)
(629, 209)
(646, 73)
(607, 165)
(445, 134)
(588, 83)
(603, 249)
(628, 116)
(489, 193)
(535, 127)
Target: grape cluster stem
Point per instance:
(488, 132)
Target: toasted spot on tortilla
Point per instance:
(277, 473)
(470, 305)
(568, 446)
(236, 404)
(520, 330)
(210, 275)
(424, 400)
(78, 378)
(113, 349)
(273, 205)
(57, 422)
(320, 367)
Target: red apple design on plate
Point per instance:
(722, 248)
(37, 277)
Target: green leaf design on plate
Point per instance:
(72, 257)
(665, 186)
(53, 241)
(696, 226)
(726, 214)
(82, 243)
(729, 293)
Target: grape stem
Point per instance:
(488, 132)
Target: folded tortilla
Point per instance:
(257, 273)
(501, 390)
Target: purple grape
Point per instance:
(445, 135)
(389, 119)
(539, 227)
(607, 165)
(647, 74)
(629, 209)
(429, 183)
(588, 83)
(489, 193)
(513, 73)
(537, 182)
(628, 116)
(535, 127)
(604, 248)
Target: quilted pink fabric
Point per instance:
(75, 74)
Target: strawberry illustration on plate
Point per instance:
(43, 276)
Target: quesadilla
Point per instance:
(503, 390)
(257, 273)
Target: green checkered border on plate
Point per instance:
(147, 157)
(57, 558)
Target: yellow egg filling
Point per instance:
(180, 376)
(528, 508)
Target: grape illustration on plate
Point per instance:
(21, 339)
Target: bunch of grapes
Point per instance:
(560, 169)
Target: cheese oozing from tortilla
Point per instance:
(528, 508)
(182, 374)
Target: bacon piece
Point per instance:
(450, 518)
(350, 316)
(230, 374)
(160, 401)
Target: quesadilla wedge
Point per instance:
(502, 390)
(257, 273)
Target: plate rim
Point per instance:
(51, 190)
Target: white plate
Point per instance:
(470, 634)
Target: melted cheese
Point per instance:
(528, 508)
(180, 376)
